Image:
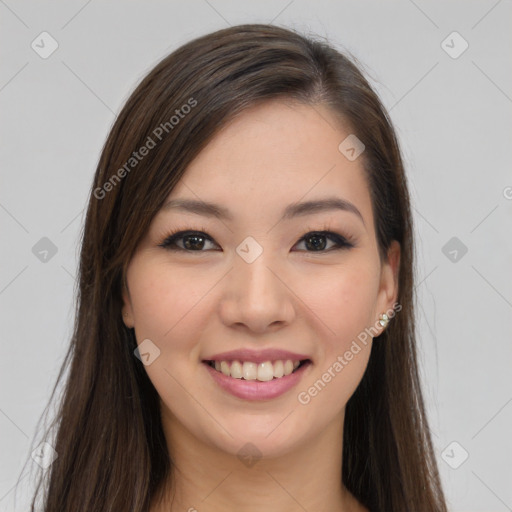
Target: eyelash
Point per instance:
(342, 242)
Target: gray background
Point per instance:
(453, 117)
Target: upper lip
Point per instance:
(258, 356)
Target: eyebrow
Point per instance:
(293, 210)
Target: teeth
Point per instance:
(253, 371)
(224, 368)
(265, 371)
(237, 370)
(249, 371)
(278, 369)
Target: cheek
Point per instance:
(164, 300)
(327, 392)
(168, 307)
(344, 311)
(342, 301)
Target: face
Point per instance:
(272, 287)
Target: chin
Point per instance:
(257, 437)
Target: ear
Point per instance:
(127, 310)
(388, 288)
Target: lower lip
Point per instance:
(255, 389)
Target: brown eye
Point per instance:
(192, 241)
(195, 241)
(318, 240)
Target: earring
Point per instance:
(384, 320)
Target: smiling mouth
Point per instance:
(263, 372)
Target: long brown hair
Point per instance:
(112, 453)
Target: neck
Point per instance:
(207, 479)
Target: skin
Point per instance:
(196, 304)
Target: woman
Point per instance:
(245, 334)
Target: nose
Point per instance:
(256, 296)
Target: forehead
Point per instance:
(275, 154)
